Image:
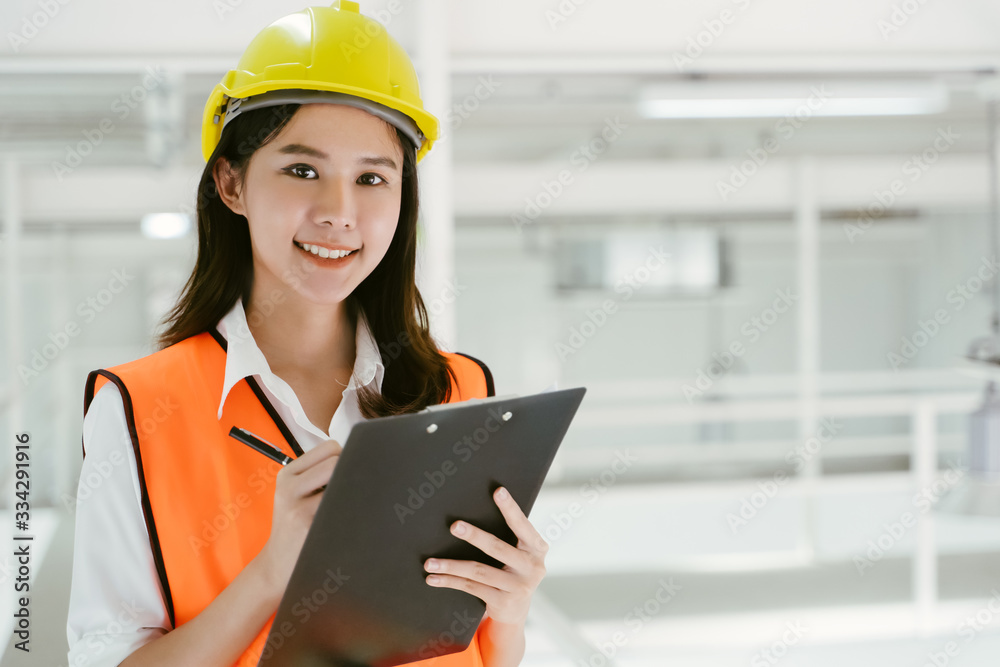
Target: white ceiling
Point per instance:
(558, 84)
(524, 27)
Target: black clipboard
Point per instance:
(357, 595)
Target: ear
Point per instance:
(227, 186)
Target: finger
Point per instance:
(526, 533)
(474, 570)
(490, 544)
(319, 475)
(320, 452)
(311, 504)
(317, 491)
(491, 596)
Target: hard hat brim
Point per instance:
(214, 113)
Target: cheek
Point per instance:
(274, 218)
(271, 238)
(382, 226)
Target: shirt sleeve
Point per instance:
(116, 601)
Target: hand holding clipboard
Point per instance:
(400, 484)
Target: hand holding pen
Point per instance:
(264, 447)
(297, 493)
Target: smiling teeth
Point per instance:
(323, 252)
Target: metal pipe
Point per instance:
(994, 215)
(807, 233)
(924, 469)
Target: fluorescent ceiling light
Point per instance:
(165, 225)
(693, 262)
(776, 99)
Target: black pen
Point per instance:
(262, 446)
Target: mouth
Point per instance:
(321, 253)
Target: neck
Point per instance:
(297, 334)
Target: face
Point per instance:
(331, 178)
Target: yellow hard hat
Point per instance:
(323, 54)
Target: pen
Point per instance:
(262, 446)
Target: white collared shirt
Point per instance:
(116, 601)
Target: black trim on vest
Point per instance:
(147, 510)
(486, 371)
(274, 415)
(292, 442)
(219, 339)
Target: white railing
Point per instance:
(611, 406)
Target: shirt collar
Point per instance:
(244, 358)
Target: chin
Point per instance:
(326, 297)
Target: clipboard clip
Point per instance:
(434, 409)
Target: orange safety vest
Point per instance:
(207, 521)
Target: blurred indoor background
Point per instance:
(762, 233)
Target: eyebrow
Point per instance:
(371, 160)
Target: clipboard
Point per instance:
(357, 595)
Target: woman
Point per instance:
(307, 213)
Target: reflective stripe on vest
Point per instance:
(207, 504)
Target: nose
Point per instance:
(337, 205)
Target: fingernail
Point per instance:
(432, 564)
(502, 493)
(459, 528)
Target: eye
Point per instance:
(297, 168)
(365, 179)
